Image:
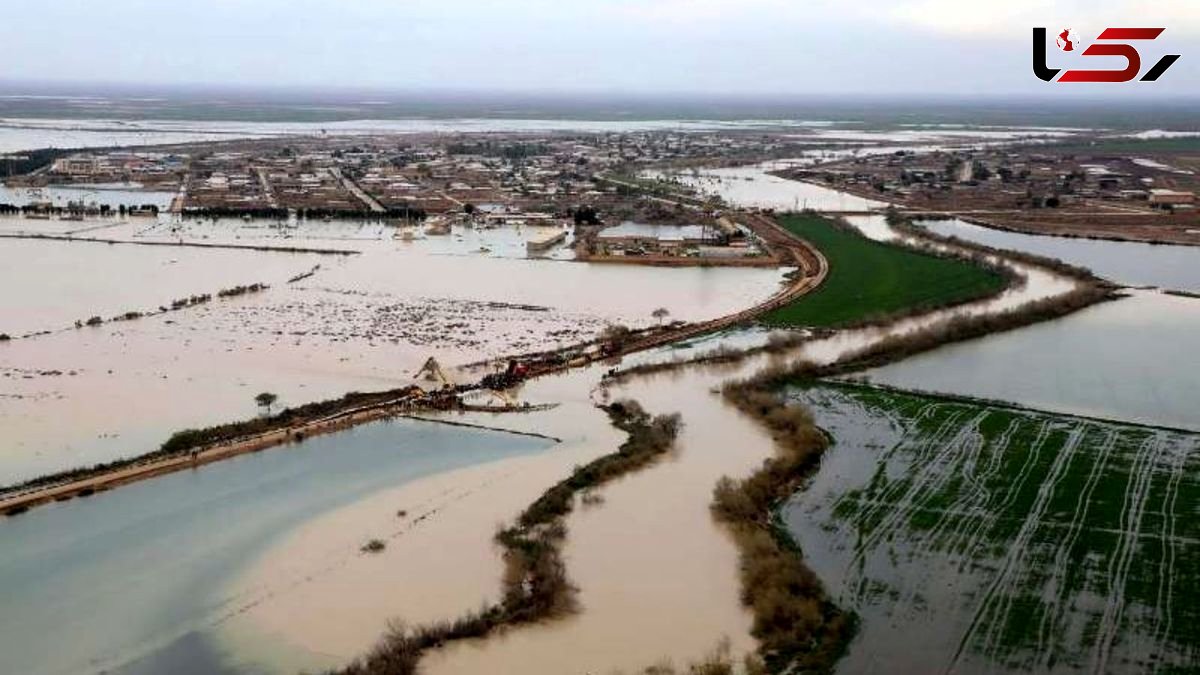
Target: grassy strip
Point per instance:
(535, 583)
(962, 328)
(798, 627)
(869, 280)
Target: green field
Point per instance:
(869, 280)
(1024, 540)
(1125, 146)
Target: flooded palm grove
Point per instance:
(1024, 501)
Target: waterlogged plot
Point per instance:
(976, 538)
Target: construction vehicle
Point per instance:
(514, 374)
(432, 372)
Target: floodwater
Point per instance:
(96, 583)
(634, 591)
(1131, 360)
(104, 195)
(1126, 263)
(656, 575)
(753, 187)
(361, 322)
(48, 285)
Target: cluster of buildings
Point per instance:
(1011, 178)
(158, 170)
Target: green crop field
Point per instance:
(1023, 540)
(1127, 146)
(869, 279)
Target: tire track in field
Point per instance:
(856, 580)
(971, 508)
(997, 599)
(925, 485)
(1164, 604)
(1055, 613)
(882, 501)
(977, 536)
(1023, 543)
(1132, 511)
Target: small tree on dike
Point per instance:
(265, 400)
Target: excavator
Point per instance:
(432, 372)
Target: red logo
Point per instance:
(1105, 45)
(1066, 40)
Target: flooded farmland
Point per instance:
(972, 538)
(362, 322)
(434, 495)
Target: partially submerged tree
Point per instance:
(265, 400)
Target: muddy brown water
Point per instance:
(656, 574)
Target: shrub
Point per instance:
(535, 585)
(797, 626)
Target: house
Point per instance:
(1171, 197)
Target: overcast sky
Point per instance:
(637, 46)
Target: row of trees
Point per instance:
(75, 208)
(280, 213)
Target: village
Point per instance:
(572, 190)
(1092, 188)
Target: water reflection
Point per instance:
(1128, 263)
(1133, 360)
(97, 582)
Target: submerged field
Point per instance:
(870, 279)
(975, 538)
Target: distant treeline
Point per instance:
(403, 211)
(101, 209)
(279, 213)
